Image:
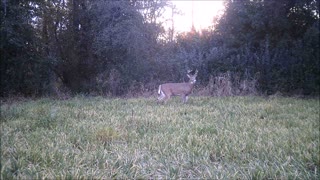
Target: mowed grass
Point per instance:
(208, 138)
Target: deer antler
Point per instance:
(193, 72)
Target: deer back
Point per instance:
(177, 88)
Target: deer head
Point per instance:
(167, 90)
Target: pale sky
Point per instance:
(203, 13)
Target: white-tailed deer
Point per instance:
(177, 89)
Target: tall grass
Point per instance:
(232, 137)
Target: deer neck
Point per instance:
(192, 82)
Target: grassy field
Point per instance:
(231, 137)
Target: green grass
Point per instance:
(208, 138)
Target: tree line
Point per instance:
(118, 47)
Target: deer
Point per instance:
(167, 90)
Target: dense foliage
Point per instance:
(276, 39)
(117, 47)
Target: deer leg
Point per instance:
(167, 97)
(184, 98)
(161, 96)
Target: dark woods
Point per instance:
(118, 48)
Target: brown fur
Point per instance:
(177, 89)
